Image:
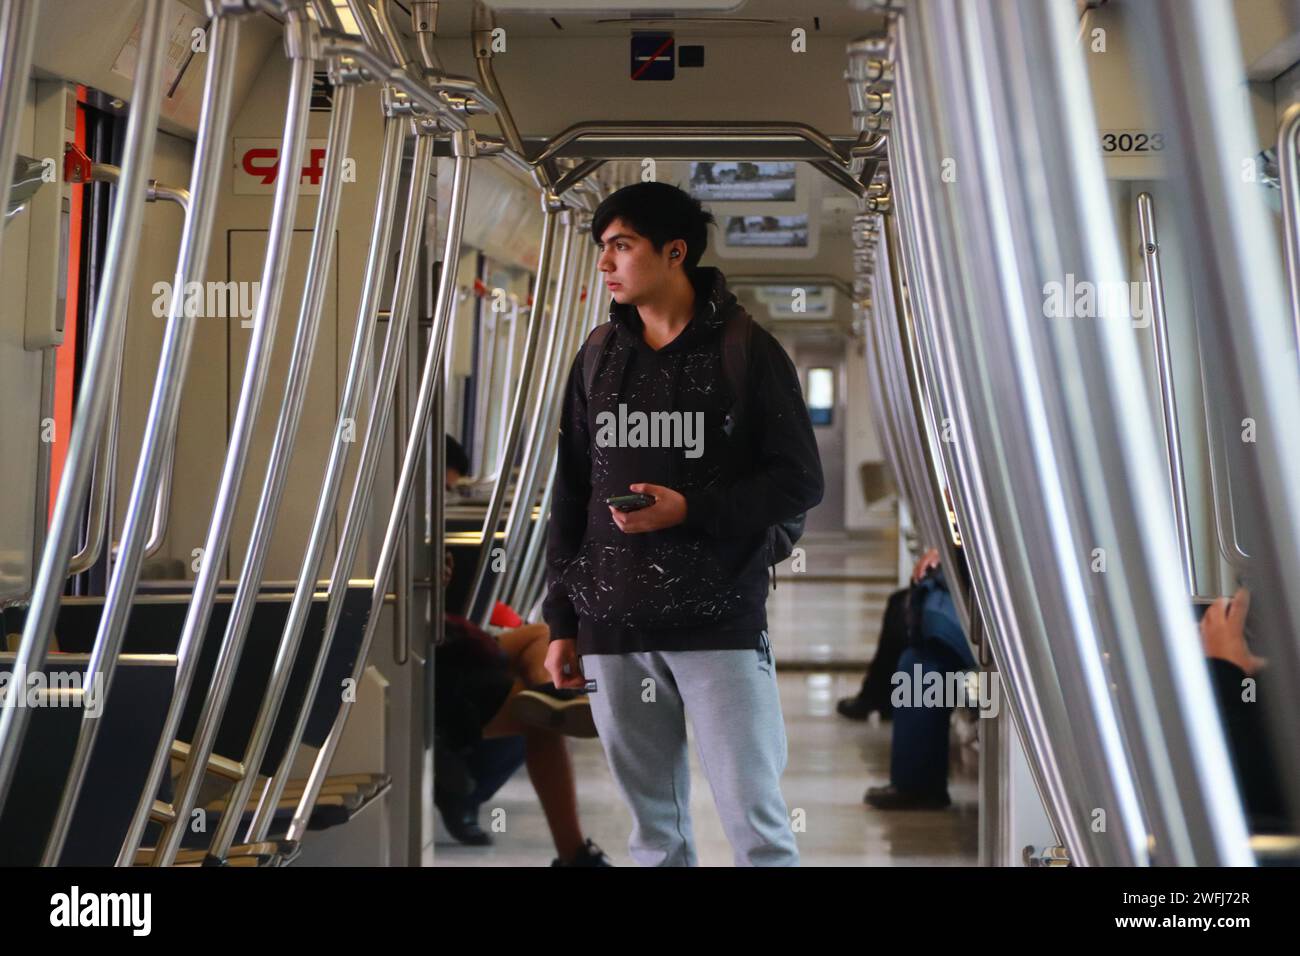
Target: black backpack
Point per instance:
(736, 331)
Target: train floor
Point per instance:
(824, 629)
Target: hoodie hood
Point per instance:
(713, 302)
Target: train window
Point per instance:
(820, 395)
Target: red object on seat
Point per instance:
(503, 615)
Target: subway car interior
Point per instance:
(294, 293)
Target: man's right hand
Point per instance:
(562, 663)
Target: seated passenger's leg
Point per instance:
(493, 762)
(918, 759)
(643, 731)
(876, 686)
(526, 647)
(551, 773)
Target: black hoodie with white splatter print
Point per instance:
(657, 416)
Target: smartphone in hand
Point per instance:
(630, 502)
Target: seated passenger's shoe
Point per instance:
(589, 855)
(889, 798)
(854, 708)
(564, 711)
(462, 823)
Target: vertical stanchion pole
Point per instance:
(1165, 375)
(205, 183)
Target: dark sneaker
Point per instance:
(564, 711)
(462, 823)
(888, 798)
(589, 855)
(854, 708)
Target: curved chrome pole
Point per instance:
(463, 148)
(523, 391)
(508, 378)
(575, 328)
(291, 639)
(520, 519)
(1288, 168)
(358, 365)
(107, 329)
(161, 425)
(300, 44)
(17, 33)
(534, 574)
(286, 435)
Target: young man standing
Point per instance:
(664, 607)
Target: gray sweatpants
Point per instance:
(640, 706)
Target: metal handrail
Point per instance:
(212, 132)
(1288, 174)
(349, 403)
(575, 319)
(519, 519)
(927, 215)
(287, 652)
(1165, 375)
(463, 149)
(107, 330)
(17, 37)
(523, 390)
(678, 131)
(106, 457)
(301, 46)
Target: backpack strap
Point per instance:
(736, 334)
(592, 352)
